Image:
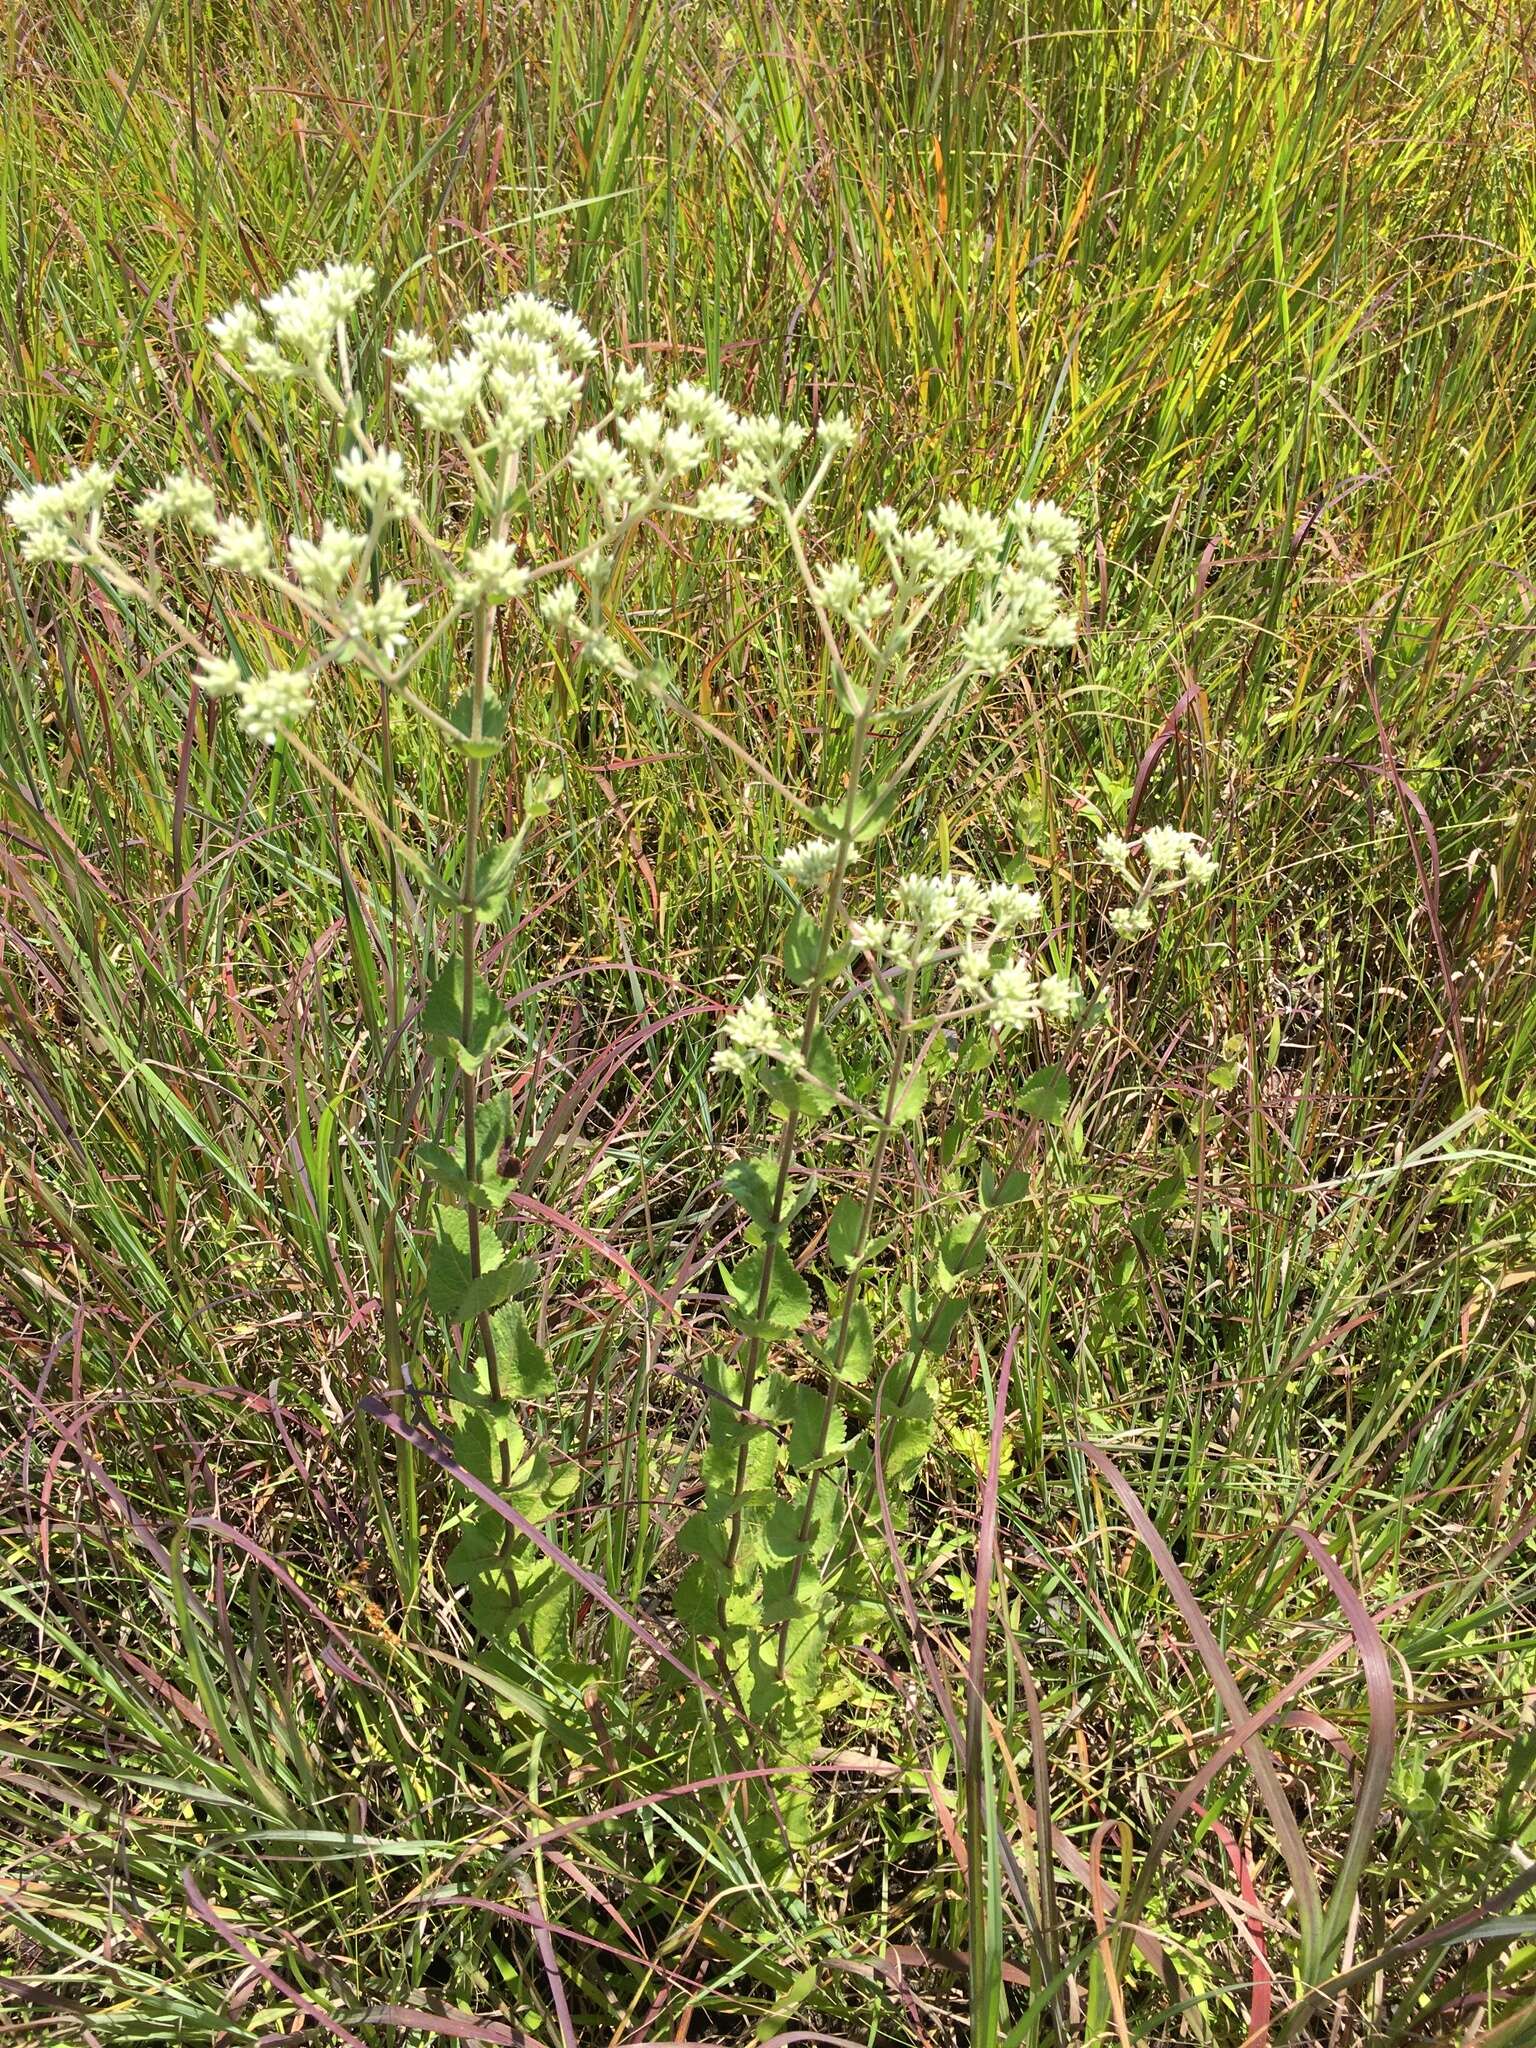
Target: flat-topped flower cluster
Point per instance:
(1171, 861)
(504, 399)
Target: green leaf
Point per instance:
(810, 1094)
(697, 1604)
(963, 1250)
(805, 1410)
(522, 1364)
(487, 1437)
(806, 1619)
(495, 873)
(999, 1194)
(443, 1018)
(753, 1183)
(446, 1166)
(1046, 1094)
(453, 1291)
(482, 1551)
(933, 1324)
(788, 1302)
(705, 1535)
(858, 1347)
(448, 1264)
(781, 1527)
(843, 1228)
(802, 943)
(910, 1431)
(911, 1095)
(730, 1435)
(878, 808)
(493, 725)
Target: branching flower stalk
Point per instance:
(380, 593)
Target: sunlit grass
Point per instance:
(1251, 290)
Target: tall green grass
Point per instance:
(1252, 289)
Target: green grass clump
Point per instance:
(1249, 289)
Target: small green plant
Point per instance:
(888, 1005)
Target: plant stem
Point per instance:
(830, 912)
(845, 1320)
(469, 940)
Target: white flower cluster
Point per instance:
(943, 916)
(491, 574)
(270, 703)
(375, 627)
(1018, 559)
(305, 315)
(811, 865)
(1172, 861)
(241, 546)
(56, 520)
(518, 370)
(933, 909)
(322, 566)
(1020, 602)
(522, 370)
(1017, 999)
(751, 1033)
(182, 497)
(376, 479)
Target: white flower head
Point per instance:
(840, 587)
(1046, 522)
(270, 703)
(241, 546)
(491, 574)
(630, 387)
(1131, 920)
(1164, 848)
(534, 316)
(604, 651)
(377, 479)
(236, 329)
(1060, 998)
(766, 439)
(704, 410)
(980, 534)
(1015, 997)
(836, 433)
(307, 310)
(1115, 853)
(380, 621)
(750, 1033)
(724, 502)
(218, 675)
(870, 935)
(683, 448)
(442, 395)
(1014, 909)
(411, 349)
(67, 503)
(810, 865)
(322, 566)
(642, 430)
(181, 497)
(50, 543)
(560, 606)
